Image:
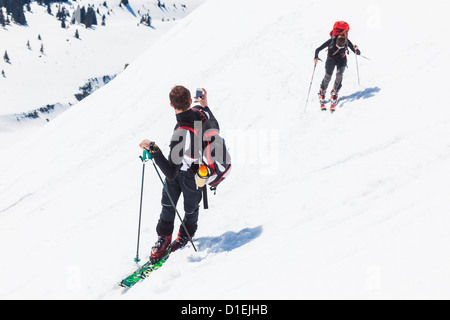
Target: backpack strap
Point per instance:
(202, 113)
(186, 127)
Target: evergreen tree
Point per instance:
(6, 57)
(2, 18)
(62, 14)
(90, 18)
(146, 19)
(82, 14)
(15, 9)
(76, 16)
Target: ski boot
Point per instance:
(179, 242)
(322, 94)
(160, 249)
(334, 99)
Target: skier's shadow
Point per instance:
(364, 94)
(130, 9)
(226, 242)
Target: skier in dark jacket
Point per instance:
(180, 169)
(337, 58)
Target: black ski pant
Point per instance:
(184, 183)
(330, 65)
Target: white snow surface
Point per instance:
(35, 79)
(350, 205)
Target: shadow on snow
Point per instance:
(364, 94)
(228, 241)
(130, 9)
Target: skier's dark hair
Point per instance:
(341, 40)
(180, 98)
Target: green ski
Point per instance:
(143, 272)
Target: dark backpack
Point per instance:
(214, 151)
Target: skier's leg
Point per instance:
(339, 78)
(166, 221)
(192, 197)
(330, 64)
(165, 224)
(338, 83)
(340, 74)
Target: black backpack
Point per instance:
(214, 151)
(334, 50)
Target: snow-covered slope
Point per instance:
(349, 205)
(33, 80)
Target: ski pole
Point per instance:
(144, 159)
(310, 85)
(364, 57)
(357, 68)
(170, 198)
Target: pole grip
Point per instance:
(146, 156)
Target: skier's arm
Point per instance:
(354, 48)
(323, 46)
(203, 107)
(169, 168)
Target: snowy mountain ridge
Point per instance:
(43, 49)
(49, 64)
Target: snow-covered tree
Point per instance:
(6, 57)
(2, 18)
(15, 8)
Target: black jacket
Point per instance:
(334, 51)
(185, 140)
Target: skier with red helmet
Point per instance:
(337, 46)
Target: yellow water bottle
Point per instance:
(201, 176)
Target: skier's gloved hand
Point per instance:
(153, 147)
(149, 146)
(357, 52)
